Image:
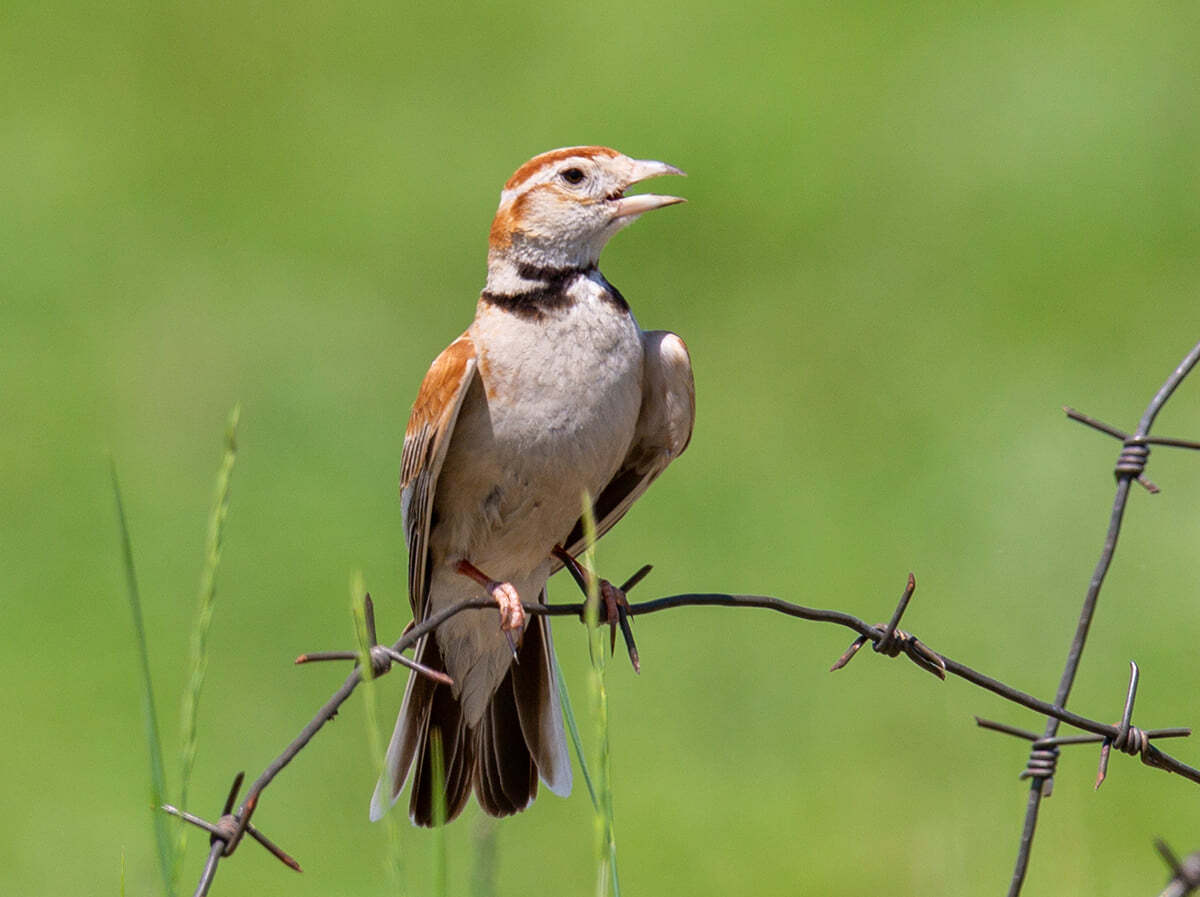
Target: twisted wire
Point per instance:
(1132, 741)
(1132, 460)
(1042, 763)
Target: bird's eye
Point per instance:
(571, 175)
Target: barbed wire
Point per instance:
(1130, 467)
(887, 639)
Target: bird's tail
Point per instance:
(519, 739)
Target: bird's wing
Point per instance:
(425, 442)
(664, 429)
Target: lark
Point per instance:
(552, 392)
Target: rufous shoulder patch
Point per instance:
(438, 390)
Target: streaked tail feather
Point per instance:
(519, 739)
(535, 688)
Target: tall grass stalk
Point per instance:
(564, 701)
(206, 603)
(158, 781)
(395, 866)
(606, 843)
(439, 811)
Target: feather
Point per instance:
(535, 690)
(664, 429)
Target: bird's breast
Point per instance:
(552, 414)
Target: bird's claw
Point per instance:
(512, 614)
(617, 607)
(614, 599)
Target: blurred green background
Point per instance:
(914, 232)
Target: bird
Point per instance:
(553, 392)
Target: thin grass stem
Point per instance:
(438, 758)
(606, 844)
(205, 605)
(158, 779)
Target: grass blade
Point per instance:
(395, 868)
(602, 800)
(158, 782)
(439, 811)
(206, 604)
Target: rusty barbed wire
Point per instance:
(896, 641)
(382, 656)
(875, 634)
(1130, 466)
(226, 834)
(887, 639)
(1129, 739)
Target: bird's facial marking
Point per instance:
(541, 207)
(553, 157)
(507, 222)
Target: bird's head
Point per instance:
(560, 208)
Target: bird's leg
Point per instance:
(616, 605)
(512, 614)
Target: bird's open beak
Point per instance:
(644, 169)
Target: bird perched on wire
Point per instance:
(552, 391)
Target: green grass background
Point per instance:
(914, 231)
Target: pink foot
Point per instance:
(512, 614)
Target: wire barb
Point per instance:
(1135, 448)
(382, 657)
(1043, 755)
(1129, 738)
(615, 600)
(227, 832)
(891, 641)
